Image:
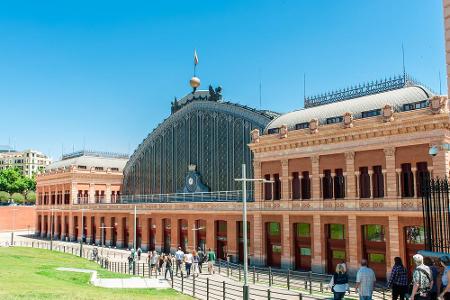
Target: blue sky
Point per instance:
(104, 73)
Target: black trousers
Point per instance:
(399, 291)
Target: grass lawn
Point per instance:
(27, 273)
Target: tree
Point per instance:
(13, 181)
(31, 197)
(18, 198)
(4, 197)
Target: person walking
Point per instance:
(139, 251)
(195, 262)
(168, 266)
(188, 259)
(149, 261)
(339, 282)
(365, 281)
(422, 280)
(201, 259)
(161, 263)
(445, 287)
(154, 263)
(130, 263)
(434, 275)
(179, 257)
(398, 280)
(211, 258)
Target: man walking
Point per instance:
(365, 281)
(201, 259)
(179, 256)
(211, 261)
(422, 280)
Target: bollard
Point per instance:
(310, 282)
(288, 279)
(193, 286)
(254, 271)
(384, 295)
(321, 287)
(270, 276)
(219, 267)
(228, 269)
(239, 273)
(182, 282)
(300, 296)
(207, 288)
(223, 290)
(268, 294)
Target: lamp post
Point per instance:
(82, 231)
(14, 226)
(244, 181)
(196, 229)
(52, 220)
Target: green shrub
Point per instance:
(4, 197)
(31, 197)
(18, 198)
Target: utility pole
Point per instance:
(244, 181)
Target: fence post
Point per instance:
(239, 273)
(254, 277)
(182, 282)
(193, 286)
(321, 287)
(207, 288)
(223, 290)
(228, 269)
(268, 294)
(219, 266)
(270, 276)
(300, 296)
(288, 278)
(384, 295)
(310, 282)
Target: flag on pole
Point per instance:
(195, 57)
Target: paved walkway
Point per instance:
(121, 283)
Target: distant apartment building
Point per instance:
(28, 161)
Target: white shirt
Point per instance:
(188, 258)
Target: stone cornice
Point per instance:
(362, 131)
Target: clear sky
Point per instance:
(103, 74)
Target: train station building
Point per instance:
(346, 173)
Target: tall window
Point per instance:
(276, 187)
(339, 184)
(364, 182)
(378, 182)
(422, 177)
(306, 186)
(407, 181)
(267, 188)
(295, 186)
(327, 183)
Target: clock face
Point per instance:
(191, 183)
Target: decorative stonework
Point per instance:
(348, 120)
(314, 126)
(350, 155)
(315, 159)
(388, 113)
(283, 131)
(389, 151)
(254, 134)
(438, 104)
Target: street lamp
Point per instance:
(82, 230)
(14, 226)
(244, 181)
(195, 233)
(52, 219)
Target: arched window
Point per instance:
(306, 186)
(407, 181)
(364, 182)
(327, 183)
(295, 186)
(378, 182)
(276, 187)
(422, 177)
(339, 184)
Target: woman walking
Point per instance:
(398, 280)
(339, 282)
(195, 262)
(445, 288)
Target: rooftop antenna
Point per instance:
(304, 88)
(440, 84)
(403, 63)
(260, 90)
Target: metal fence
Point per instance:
(436, 215)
